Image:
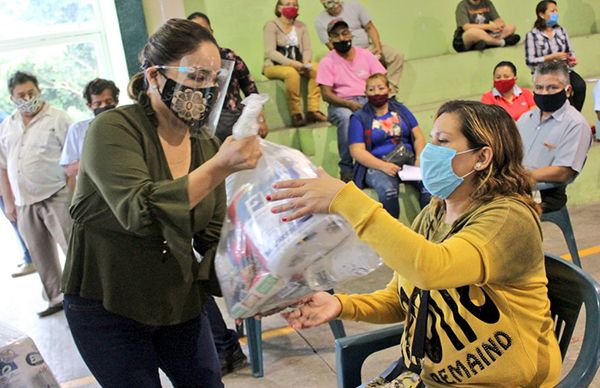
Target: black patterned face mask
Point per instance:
(190, 105)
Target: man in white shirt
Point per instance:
(32, 182)
(100, 95)
(25, 267)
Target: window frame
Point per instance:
(105, 36)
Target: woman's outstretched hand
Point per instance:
(315, 310)
(305, 196)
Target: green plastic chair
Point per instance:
(561, 219)
(569, 287)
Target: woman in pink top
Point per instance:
(505, 93)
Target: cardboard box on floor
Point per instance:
(21, 364)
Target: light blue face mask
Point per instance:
(436, 165)
(553, 19)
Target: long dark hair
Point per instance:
(542, 7)
(490, 125)
(171, 42)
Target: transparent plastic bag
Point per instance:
(21, 364)
(264, 264)
(247, 124)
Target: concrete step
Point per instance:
(428, 82)
(276, 109)
(445, 77)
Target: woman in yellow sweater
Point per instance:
(469, 280)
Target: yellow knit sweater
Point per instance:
(489, 322)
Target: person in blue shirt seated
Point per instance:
(383, 127)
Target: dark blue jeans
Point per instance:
(226, 340)
(26, 257)
(340, 117)
(387, 190)
(121, 352)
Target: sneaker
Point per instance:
(51, 310)
(479, 46)
(512, 39)
(233, 362)
(315, 117)
(298, 120)
(24, 269)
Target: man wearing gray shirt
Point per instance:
(364, 34)
(556, 137)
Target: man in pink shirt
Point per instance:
(342, 76)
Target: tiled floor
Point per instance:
(288, 355)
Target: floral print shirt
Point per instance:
(240, 80)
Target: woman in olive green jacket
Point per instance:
(149, 184)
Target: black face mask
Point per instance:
(550, 102)
(97, 111)
(343, 46)
(190, 105)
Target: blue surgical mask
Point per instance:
(553, 19)
(436, 165)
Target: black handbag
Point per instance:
(400, 156)
(291, 52)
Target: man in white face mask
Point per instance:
(32, 182)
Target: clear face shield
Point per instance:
(196, 93)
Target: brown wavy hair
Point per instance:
(172, 41)
(490, 125)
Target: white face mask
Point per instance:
(30, 105)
